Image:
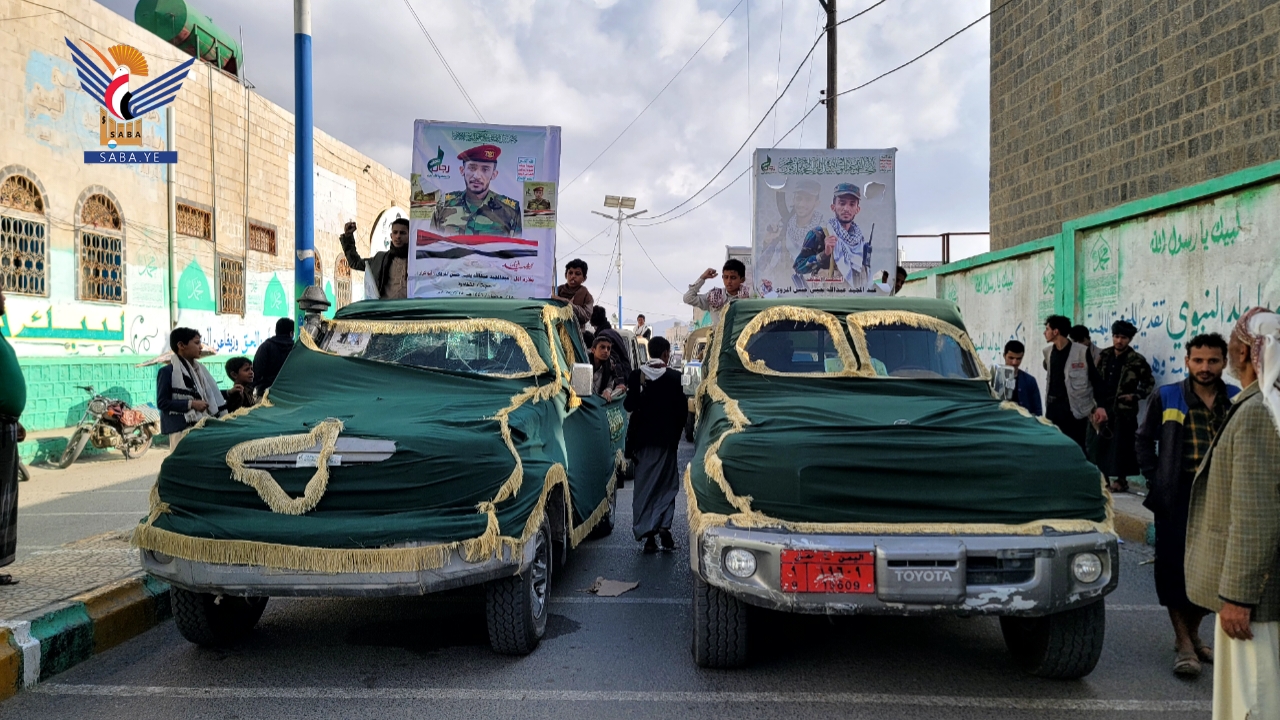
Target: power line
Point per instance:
(655, 97)
(808, 86)
(651, 262)
(465, 95)
(730, 184)
(605, 284)
(777, 70)
(756, 129)
(588, 241)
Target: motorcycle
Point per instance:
(110, 423)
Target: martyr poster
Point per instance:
(482, 210)
(825, 221)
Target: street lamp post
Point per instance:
(304, 264)
(620, 203)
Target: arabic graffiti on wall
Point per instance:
(1188, 271)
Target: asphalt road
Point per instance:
(617, 658)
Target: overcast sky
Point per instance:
(590, 66)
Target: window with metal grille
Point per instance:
(194, 222)
(262, 238)
(24, 246)
(342, 282)
(101, 250)
(230, 286)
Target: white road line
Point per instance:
(134, 513)
(633, 696)
(596, 599)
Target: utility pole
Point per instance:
(621, 203)
(304, 260)
(830, 100)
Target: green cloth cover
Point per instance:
(450, 455)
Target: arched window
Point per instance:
(24, 235)
(101, 249)
(342, 282)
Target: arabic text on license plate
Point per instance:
(821, 571)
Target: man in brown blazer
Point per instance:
(1233, 531)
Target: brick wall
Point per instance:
(1099, 102)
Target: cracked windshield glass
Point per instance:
(483, 352)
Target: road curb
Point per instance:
(41, 644)
(1135, 528)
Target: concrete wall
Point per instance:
(49, 123)
(1175, 265)
(1095, 103)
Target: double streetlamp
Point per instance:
(620, 203)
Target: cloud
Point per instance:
(590, 66)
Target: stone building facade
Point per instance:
(1095, 103)
(95, 272)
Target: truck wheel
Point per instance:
(1062, 646)
(516, 607)
(214, 620)
(719, 627)
(74, 447)
(604, 528)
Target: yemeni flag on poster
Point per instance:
(432, 246)
(483, 207)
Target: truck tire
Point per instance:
(516, 607)
(214, 620)
(1062, 646)
(74, 447)
(719, 627)
(604, 528)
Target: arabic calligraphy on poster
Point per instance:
(482, 210)
(1182, 273)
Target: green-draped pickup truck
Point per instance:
(852, 458)
(407, 447)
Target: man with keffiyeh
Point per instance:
(1233, 530)
(839, 246)
(185, 389)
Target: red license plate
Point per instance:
(821, 571)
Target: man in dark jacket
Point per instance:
(657, 405)
(1121, 380)
(271, 356)
(1181, 421)
(1026, 390)
(386, 274)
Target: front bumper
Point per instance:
(255, 581)
(920, 574)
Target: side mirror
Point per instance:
(582, 379)
(1004, 381)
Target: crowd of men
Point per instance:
(1210, 453)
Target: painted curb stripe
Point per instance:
(631, 696)
(74, 631)
(30, 649)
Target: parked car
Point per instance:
(691, 373)
(410, 446)
(852, 459)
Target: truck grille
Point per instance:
(999, 571)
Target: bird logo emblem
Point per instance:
(116, 87)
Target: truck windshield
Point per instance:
(484, 352)
(795, 346)
(905, 351)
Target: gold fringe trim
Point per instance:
(468, 325)
(372, 560)
(699, 522)
(264, 403)
(858, 321)
(1009, 405)
(324, 433)
(852, 367)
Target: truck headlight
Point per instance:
(740, 563)
(1087, 567)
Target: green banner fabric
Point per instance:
(451, 455)
(843, 449)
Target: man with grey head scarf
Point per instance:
(1233, 530)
